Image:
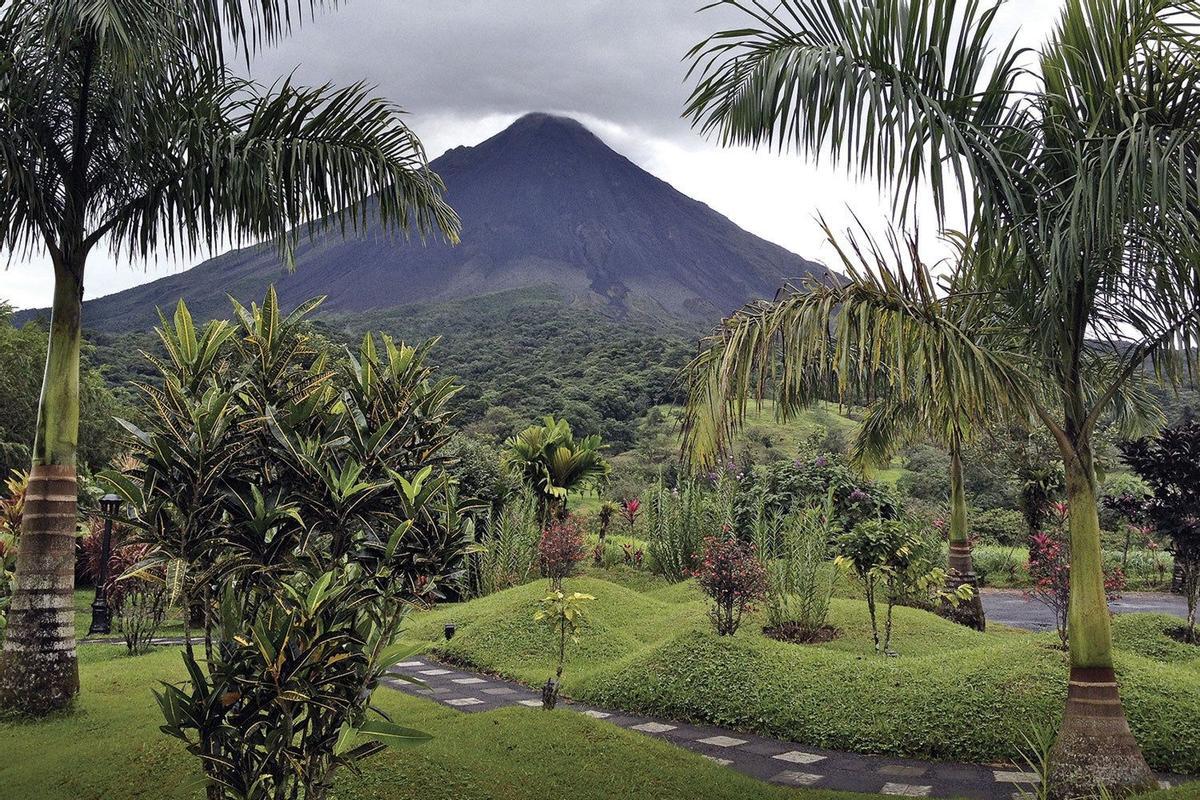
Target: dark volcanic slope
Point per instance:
(544, 202)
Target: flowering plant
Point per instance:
(730, 573)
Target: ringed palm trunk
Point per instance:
(1094, 744)
(38, 668)
(960, 570)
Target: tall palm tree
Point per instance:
(122, 125)
(1075, 173)
(551, 461)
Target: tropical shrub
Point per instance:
(777, 489)
(630, 507)
(12, 506)
(549, 460)
(733, 577)
(800, 577)
(565, 615)
(304, 500)
(604, 518)
(1169, 463)
(560, 549)
(508, 546)
(675, 522)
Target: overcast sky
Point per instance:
(464, 69)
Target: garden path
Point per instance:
(773, 760)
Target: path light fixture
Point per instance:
(449, 629)
(110, 506)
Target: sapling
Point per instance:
(565, 615)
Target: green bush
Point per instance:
(1002, 526)
(676, 521)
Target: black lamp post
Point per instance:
(110, 505)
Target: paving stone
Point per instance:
(531, 703)
(464, 701)
(654, 727)
(466, 681)
(722, 741)
(794, 778)
(906, 790)
(1015, 776)
(724, 762)
(799, 757)
(436, 672)
(902, 770)
(499, 690)
(594, 714)
(407, 664)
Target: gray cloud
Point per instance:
(620, 60)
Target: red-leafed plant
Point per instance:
(1050, 571)
(730, 573)
(629, 511)
(561, 549)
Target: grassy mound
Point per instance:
(1149, 635)
(110, 748)
(953, 693)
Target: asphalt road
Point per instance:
(1009, 607)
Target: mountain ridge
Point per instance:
(545, 202)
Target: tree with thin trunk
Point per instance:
(1074, 166)
(123, 126)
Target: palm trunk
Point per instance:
(960, 570)
(1094, 745)
(38, 668)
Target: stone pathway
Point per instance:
(773, 760)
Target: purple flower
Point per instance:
(822, 461)
(858, 495)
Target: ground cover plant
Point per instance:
(493, 756)
(951, 693)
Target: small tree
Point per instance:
(890, 552)
(1169, 463)
(561, 549)
(732, 575)
(565, 615)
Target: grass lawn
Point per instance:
(952, 693)
(110, 748)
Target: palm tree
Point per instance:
(1075, 174)
(551, 461)
(124, 126)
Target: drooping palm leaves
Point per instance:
(1077, 172)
